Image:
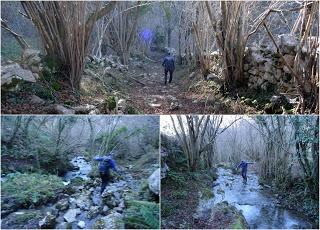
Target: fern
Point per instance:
(142, 215)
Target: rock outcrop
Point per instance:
(13, 73)
(154, 182)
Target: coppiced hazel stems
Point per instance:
(65, 29)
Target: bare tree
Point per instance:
(190, 132)
(123, 29)
(65, 29)
(230, 28)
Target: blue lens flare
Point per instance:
(146, 35)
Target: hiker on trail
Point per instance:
(168, 64)
(105, 163)
(244, 168)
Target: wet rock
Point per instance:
(83, 202)
(48, 222)
(36, 100)
(113, 221)
(234, 219)
(70, 215)
(23, 219)
(154, 182)
(62, 205)
(105, 209)
(113, 193)
(60, 109)
(81, 224)
(93, 212)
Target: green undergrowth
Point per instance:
(23, 189)
(142, 215)
(180, 192)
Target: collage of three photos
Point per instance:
(159, 115)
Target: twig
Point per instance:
(18, 37)
(297, 78)
(136, 80)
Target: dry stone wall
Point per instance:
(264, 68)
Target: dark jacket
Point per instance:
(105, 164)
(244, 166)
(168, 63)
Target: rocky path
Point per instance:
(151, 96)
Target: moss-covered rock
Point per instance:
(112, 221)
(99, 224)
(20, 190)
(23, 219)
(235, 217)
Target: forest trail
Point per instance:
(258, 204)
(151, 96)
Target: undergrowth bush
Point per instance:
(142, 215)
(25, 189)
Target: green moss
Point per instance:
(179, 194)
(207, 193)
(238, 224)
(77, 181)
(30, 189)
(23, 217)
(142, 215)
(131, 110)
(99, 224)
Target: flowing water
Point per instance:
(258, 205)
(81, 169)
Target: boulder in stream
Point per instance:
(62, 204)
(222, 216)
(48, 222)
(70, 215)
(111, 221)
(81, 224)
(93, 212)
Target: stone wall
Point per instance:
(264, 68)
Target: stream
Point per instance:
(84, 207)
(81, 169)
(258, 205)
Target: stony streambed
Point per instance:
(81, 205)
(257, 204)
